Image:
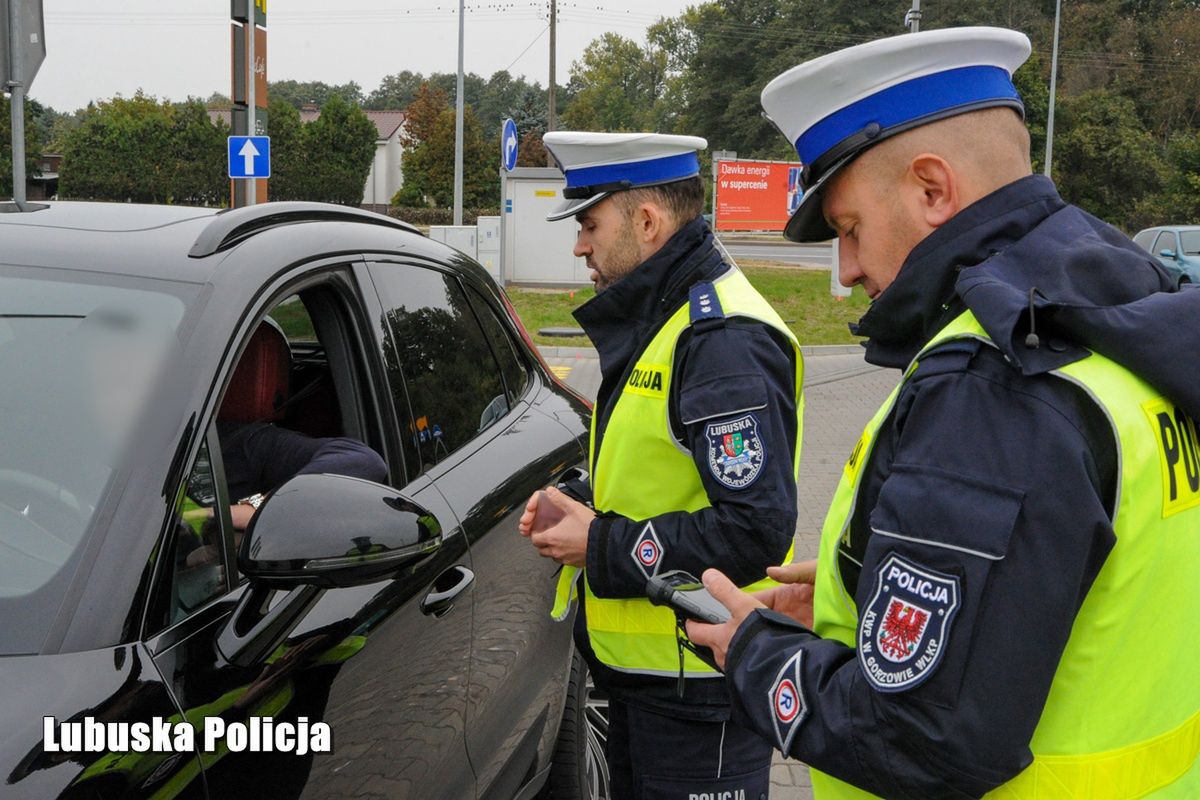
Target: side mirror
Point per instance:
(318, 532)
(1166, 253)
(331, 530)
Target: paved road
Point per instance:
(779, 249)
(842, 392)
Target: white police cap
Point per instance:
(598, 164)
(834, 107)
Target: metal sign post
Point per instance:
(24, 44)
(249, 90)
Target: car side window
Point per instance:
(440, 364)
(1166, 241)
(196, 561)
(1144, 240)
(512, 368)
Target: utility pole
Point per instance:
(551, 104)
(1053, 90)
(912, 19)
(458, 125)
(16, 88)
(252, 79)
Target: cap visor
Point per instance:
(808, 223)
(570, 208)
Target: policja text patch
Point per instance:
(904, 628)
(1179, 454)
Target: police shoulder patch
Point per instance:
(735, 451)
(905, 627)
(786, 701)
(647, 552)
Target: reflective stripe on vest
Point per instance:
(641, 472)
(1123, 716)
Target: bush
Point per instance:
(439, 216)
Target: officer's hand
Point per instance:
(525, 524)
(740, 605)
(796, 572)
(566, 540)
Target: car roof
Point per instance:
(1178, 228)
(188, 244)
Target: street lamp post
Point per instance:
(458, 126)
(1053, 89)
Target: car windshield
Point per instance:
(1190, 242)
(79, 360)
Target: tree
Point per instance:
(423, 114)
(1179, 201)
(1104, 159)
(339, 147)
(617, 86)
(290, 171)
(429, 169)
(198, 174)
(395, 91)
(122, 151)
(33, 154)
(303, 93)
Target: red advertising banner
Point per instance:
(756, 195)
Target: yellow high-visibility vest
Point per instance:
(641, 472)
(1122, 719)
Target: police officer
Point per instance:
(1006, 591)
(694, 450)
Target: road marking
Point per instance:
(561, 371)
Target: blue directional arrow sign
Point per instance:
(249, 156)
(508, 145)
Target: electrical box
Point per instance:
(488, 244)
(536, 251)
(461, 237)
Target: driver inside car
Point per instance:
(260, 456)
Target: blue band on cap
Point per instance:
(638, 173)
(907, 102)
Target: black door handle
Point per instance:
(449, 585)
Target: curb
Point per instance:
(811, 350)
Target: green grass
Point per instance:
(800, 296)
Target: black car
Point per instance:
(401, 626)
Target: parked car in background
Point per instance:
(408, 615)
(1177, 248)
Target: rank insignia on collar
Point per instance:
(647, 552)
(904, 628)
(786, 698)
(735, 451)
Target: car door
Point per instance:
(385, 665)
(487, 450)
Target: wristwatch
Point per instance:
(255, 500)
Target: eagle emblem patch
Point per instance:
(735, 451)
(905, 626)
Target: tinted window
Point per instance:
(1144, 240)
(79, 363)
(1166, 241)
(503, 346)
(436, 350)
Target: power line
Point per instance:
(526, 50)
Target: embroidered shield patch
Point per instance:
(647, 552)
(735, 451)
(786, 698)
(904, 628)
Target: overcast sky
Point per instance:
(172, 49)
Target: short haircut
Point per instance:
(683, 200)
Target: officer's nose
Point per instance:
(849, 271)
(582, 248)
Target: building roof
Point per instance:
(386, 122)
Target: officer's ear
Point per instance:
(933, 187)
(652, 223)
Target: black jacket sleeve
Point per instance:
(274, 455)
(995, 491)
(736, 380)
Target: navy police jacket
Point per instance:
(746, 529)
(971, 409)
